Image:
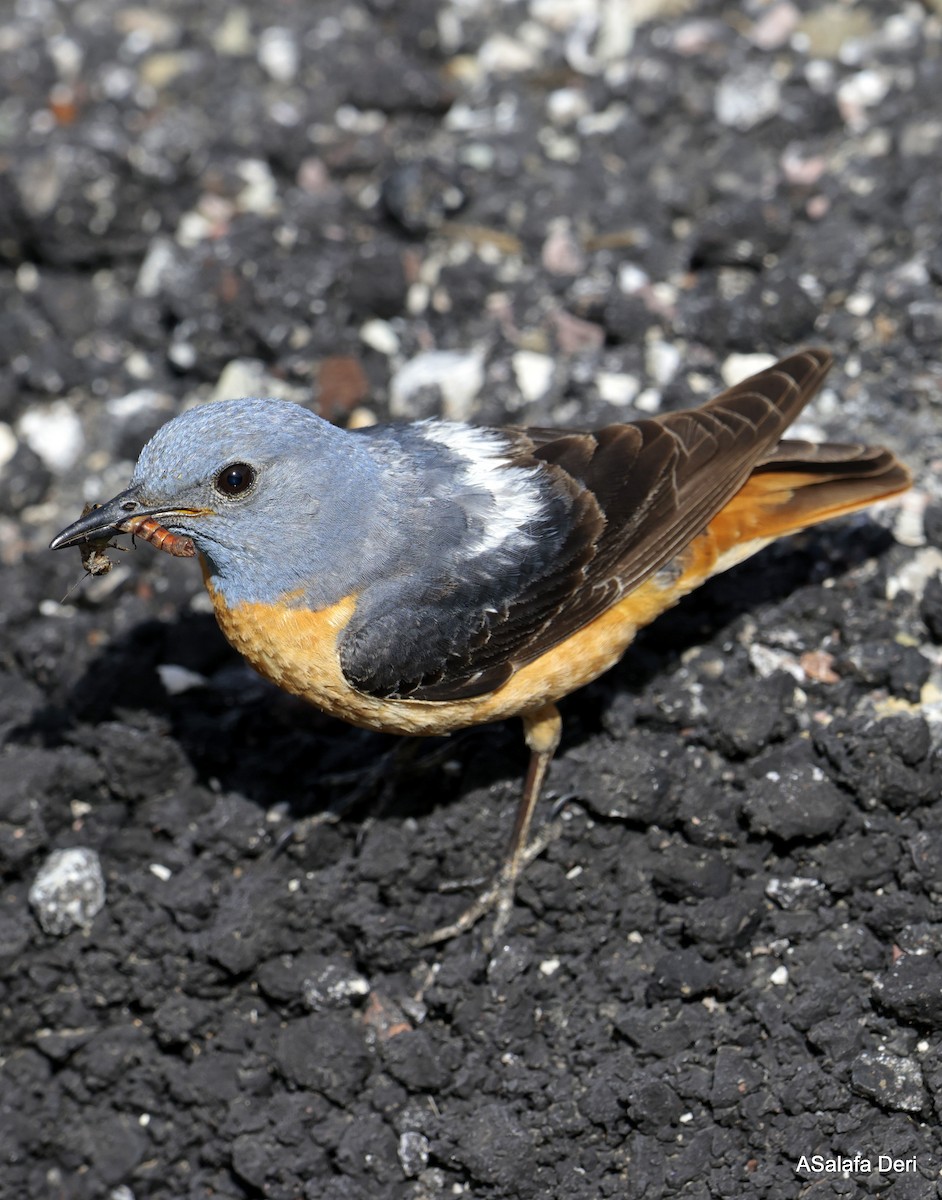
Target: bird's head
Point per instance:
(266, 491)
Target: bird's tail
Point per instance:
(797, 485)
(801, 483)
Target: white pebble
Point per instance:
(139, 402)
(662, 362)
(413, 1153)
(278, 54)
(631, 278)
(260, 193)
(617, 388)
(566, 105)
(738, 367)
(858, 304)
(747, 98)
(54, 432)
(458, 374)
(159, 262)
(177, 680)
(649, 400)
(909, 527)
(503, 55)
(250, 377)
(69, 890)
(380, 336)
(533, 373)
(864, 90)
(914, 576)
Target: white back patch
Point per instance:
(515, 500)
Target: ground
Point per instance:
(554, 212)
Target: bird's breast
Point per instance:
(298, 650)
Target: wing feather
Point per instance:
(637, 495)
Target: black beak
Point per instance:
(120, 515)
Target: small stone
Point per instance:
(501, 54)
(616, 388)
(250, 377)
(458, 375)
(795, 801)
(562, 254)
(892, 1082)
(912, 990)
(54, 433)
(825, 31)
(747, 98)
(278, 53)
(176, 680)
(422, 196)
(413, 1153)
(233, 37)
(566, 105)
(69, 890)
(738, 367)
(865, 90)
(912, 513)
(494, 1147)
(260, 191)
(662, 362)
(380, 336)
(798, 890)
(160, 266)
(342, 385)
(333, 985)
(914, 575)
(533, 373)
(775, 26)
(818, 666)
(147, 27)
(632, 279)
(925, 322)
(160, 70)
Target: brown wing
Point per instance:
(641, 493)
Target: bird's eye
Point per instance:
(236, 479)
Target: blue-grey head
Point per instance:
(274, 498)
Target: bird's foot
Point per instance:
(497, 898)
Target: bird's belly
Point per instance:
(299, 651)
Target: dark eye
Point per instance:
(235, 479)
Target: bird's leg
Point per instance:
(542, 730)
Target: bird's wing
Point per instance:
(640, 493)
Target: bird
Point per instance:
(425, 577)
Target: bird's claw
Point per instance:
(497, 897)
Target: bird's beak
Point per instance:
(126, 513)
